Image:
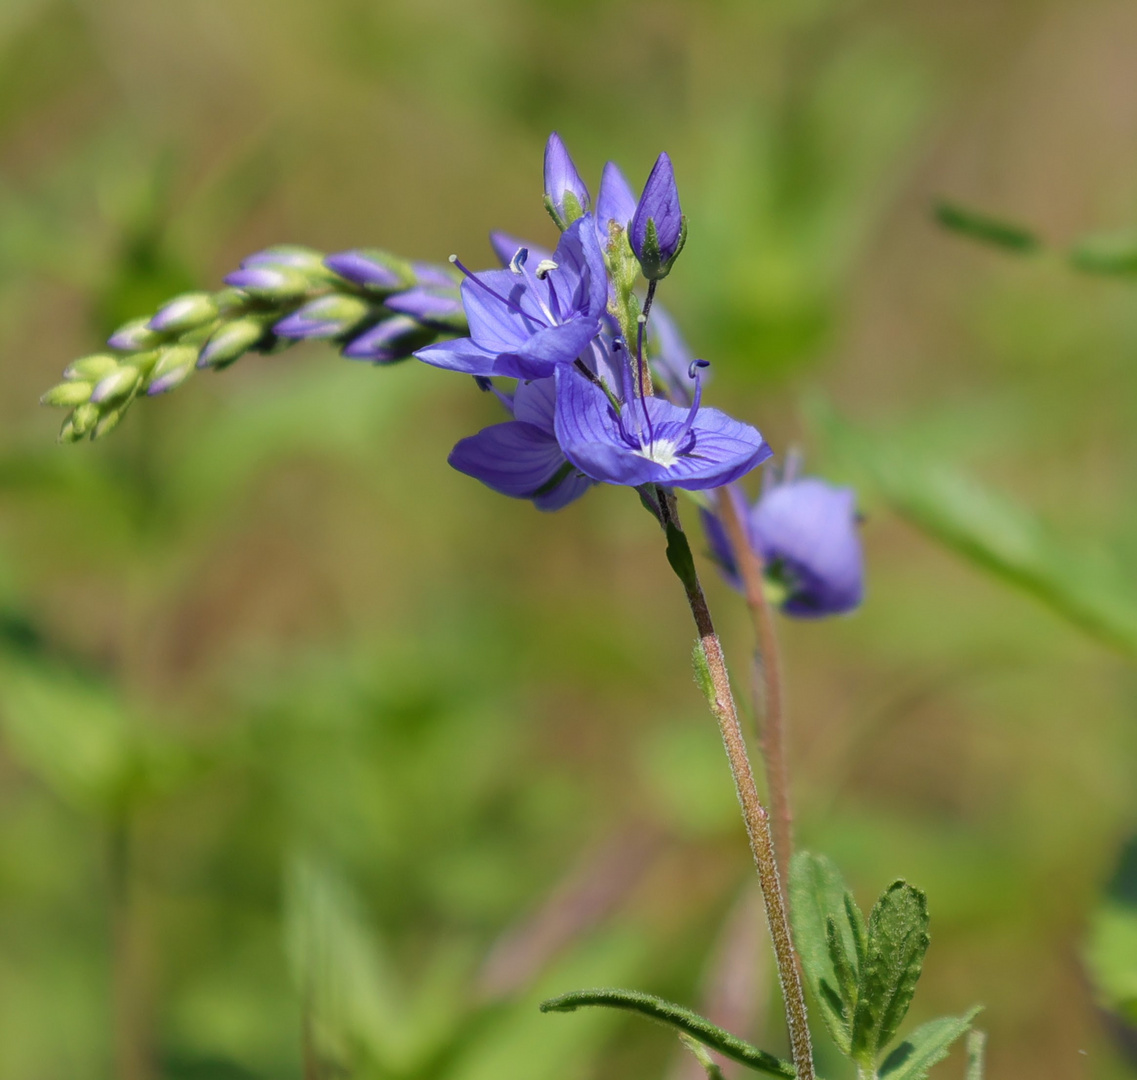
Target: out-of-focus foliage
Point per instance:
(278, 687)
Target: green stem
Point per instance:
(757, 819)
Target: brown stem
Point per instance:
(757, 819)
(749, 566)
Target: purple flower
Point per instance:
(438, 306)
(521, 457)
(616, 202)
(566, 196)
(670, 356)
(649, 440)
(659, 228)
(505, 246)
(806, 533)
(527, 320)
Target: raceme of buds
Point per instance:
(658, 229)
(566, 196)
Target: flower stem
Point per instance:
(749, 565)
(757, 818)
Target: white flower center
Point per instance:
(662, 452)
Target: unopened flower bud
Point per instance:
(325, 317)
(566, 196)
(134, 335)
(231, 341)
(270, 282)
(173, 367)
(80, 422)
(437, 307)
(68, 394)
(659, 229)
(392, 339)
(372, 269)
(294, 255)
(91, 368)
(118, 384)
(185, 312)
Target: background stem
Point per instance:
(773, 720)
(755, 815)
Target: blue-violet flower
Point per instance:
(659, 228)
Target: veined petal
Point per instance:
(615, 202)
(535, 402)
(513, 458)
(460, 355)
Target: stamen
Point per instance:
(641, 378)
(543, 268)
(519, 258)
(496, 295)
(693, 373)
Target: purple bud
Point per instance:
(431, 276)
(371, 269)
(566, 196)
(274, 280)
(392, 339)
(299, 258)
(658, 229)
(324, 317)
(440, 307)
(616, 201)
(186, 312)
(134, 335)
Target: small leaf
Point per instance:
(989, 230)
(847, 973)
(926, 1046)
(976, 1044)
(857, 930)
(691, 1023)
(894, 956)
(818, 896)
(709, 1067)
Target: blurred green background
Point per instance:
(319, 759)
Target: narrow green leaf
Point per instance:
(817, 895)
(857, 929)
(976, 1045)
(1109, 253)
(894, 956)
(926, 1046)
(987, 229)
(691, 1023)
(709, 1067)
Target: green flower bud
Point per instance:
(81, 421)
(231, 341)
(174, 365)
(67, 395)
(118, 384)
(185, 312)
(91, 368)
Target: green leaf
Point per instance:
(1109, 253)
(987, 229)
(820, 907)
(709, 1067)
(1111, 952)
(894, 956)
(926, 1046)
(1081, 585)
(676, 1016)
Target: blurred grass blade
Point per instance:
(986, 229)
(1108, 253)
(1082, 586)
(976, 1045)
(686, 1021)
(926, 1046)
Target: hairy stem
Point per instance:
(757, 819)
(774, 712)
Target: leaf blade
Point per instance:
(926, 1046)
(676, 1016)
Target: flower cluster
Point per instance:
(584, 408)
(598, 384)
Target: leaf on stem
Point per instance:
(690, 1023)
(829, 935)
(929, 1044)
(1114, 254)
(894, 956)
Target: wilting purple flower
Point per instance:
(615, 202)
(527, 320)
(659, 229)
(649, 440)
(806, 533)
(521, 457)
(392, 339)
(371, 269)
(566, 195)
